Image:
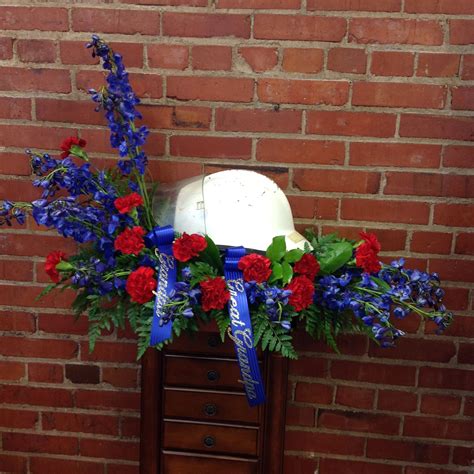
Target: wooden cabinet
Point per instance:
(195, 416)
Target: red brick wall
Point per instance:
(360, 109)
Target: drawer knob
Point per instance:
(213, 376)
(209, 441)
(210, 409)
(213, 341)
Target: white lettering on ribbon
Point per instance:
(167, 263)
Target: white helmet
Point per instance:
(235, 207)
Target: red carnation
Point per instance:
(215, 294)
(302, 292)
(140, 285)
(68, 143)
(130, 241)
(52, 260)
(188, 246)
(126, 203)
(308, 266)
(367, 253)
(255, 267)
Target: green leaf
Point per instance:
(381, 283)
(79, 152)
(277, 272)
(64, 265)
(277, 249)
(200, 271)
(334, 256)
(223, 322)
(211, 255)
(293, 255)
(287, 272)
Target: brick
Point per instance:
(80, 423)
(355, 397)
(71, 466)
(44, 348)
(314, 393)
(120, 376)
(398, 155)
(192, 3)
(36, 51)
(16, 321)
(130, 427)
(83, 374)
(95, 448)
(258, 120)
(452, 270)
(438, 65)
(308, 207)
(351, 60)
(462, 325)
(457, 299)
(407, 451)
(331, 466)
(461, 31)
(390, 239)
(395, 31)
(170, 172)
(336, 181)
(429, 126)
(358, 421)
(296, 464)
(6, 48)
(112, 351)
(226, 89)
(108, 399)
(40, 443)
(466, 353)
(348, 344)
(392, 63)
(212, 58)
(211, 147)
(176, 117)
(386, 211)
(299, 27)
(260, 4)
(458, 156)
(16, 270)
(47, 373)
(17, 464)
(459, 215)
(300, 416)
(17, 190)
(469, 406)
(462, 456)
(431, 242)
(439, 6)
(116, 21)
(38, 79)
(62, 324)
(429, 184)
(373, 373)
(384, 94)
(445, 378)
(260, 59)
(303, 91)
(443, 405)
(304, 60)
(309, 367)
(355, 5)
(35, 396)
(201, 25)
(350, 123)
(32, 245)
(73, 111)
(323, 443)
(33, 18)
(393, 400)
(17, 109)
(168, 56)
(465, 243)
(300, 151)
(417, 349)
(427, 427)
(123, 468)
(462, 98)
(11, 370)
(468, 67)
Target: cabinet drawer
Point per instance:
(202, 373)
(210, 438)
(174, 463)
(209, 406)
(202, 344)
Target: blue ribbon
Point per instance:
(162, 238)
(242, 328)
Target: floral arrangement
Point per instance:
(331, 287)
